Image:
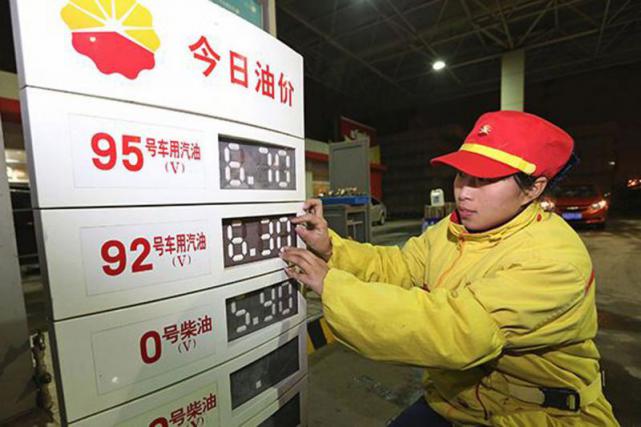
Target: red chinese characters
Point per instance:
(238, 68)
(286, 90)
(183, 335)
(187, 329)
(203, 52)
(239, 73)
(180, 243)
(265, 83)
(172, 149)
(190, 414)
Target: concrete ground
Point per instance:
(349, 390)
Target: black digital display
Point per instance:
(255, 238)
(256, 166)
(251, 380)
(255, 310)
(287, 415)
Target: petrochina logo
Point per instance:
(117, 35)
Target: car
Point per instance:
(377, 211)
(634, 183)
(579, 204)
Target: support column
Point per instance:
(271, 16)
(513, 80)
(17, 389)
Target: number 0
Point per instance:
(159, 422)
(144, 348)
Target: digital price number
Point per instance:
(256, 238)
(246, 165)
(266, 372)
(258, 309)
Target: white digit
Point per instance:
(269, 303)
(240, 314)
(290, 300)
(235, 165)
(236, 242)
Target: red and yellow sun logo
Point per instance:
(116, 34)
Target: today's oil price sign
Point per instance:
(152, 130)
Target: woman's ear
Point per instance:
(535, 191)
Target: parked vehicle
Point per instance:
(583, 204)
(634, 183)
(377, 211)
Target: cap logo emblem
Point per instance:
(485, 130)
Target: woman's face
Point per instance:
(487, 203)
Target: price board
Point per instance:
(166, 157)
(118, 257)
(206, 398)
(98, 152)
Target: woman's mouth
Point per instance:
(465, 213)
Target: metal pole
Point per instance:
(17, 388)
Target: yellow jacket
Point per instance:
(491, 316)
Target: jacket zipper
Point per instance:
(440, 279)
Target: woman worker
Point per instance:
(497, 301)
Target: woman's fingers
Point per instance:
(313, 206)
(298, 257)
(307, 220)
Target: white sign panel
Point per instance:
(96, 152)
(207, 398)
(191, 56)
(118, 257)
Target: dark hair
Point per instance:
(525, 181)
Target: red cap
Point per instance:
(503, 143)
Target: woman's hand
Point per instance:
(305, 267)
(312, 228)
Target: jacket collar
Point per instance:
(522, 220)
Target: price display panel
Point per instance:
(250, 239)
(248, 165)
(111, 357)
(115, 257)
(251, 380)
(290, 410)
(99, 152)
(205, 399)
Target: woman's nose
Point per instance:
(465, 192)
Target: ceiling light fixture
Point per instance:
(438, 65)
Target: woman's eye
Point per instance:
(486, 181)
